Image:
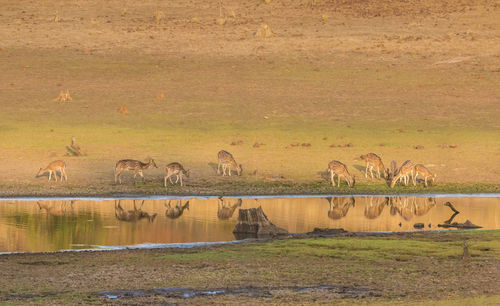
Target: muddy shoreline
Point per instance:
(236, 190)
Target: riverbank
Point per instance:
(234, 187)
(351, 269)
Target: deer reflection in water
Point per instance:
(132, 215)
(174, 212)
(225, 210)
(339, 206)
(406, 207)
(56, 208)
(375, 206)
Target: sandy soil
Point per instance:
(384, 76)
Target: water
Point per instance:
(51, 225)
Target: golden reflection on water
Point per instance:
(34, 226)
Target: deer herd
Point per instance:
(226, 162)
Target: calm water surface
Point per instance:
(51, 225)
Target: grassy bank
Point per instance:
(398, 268)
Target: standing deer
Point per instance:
(177, 170)
(226, 211)
(339, 169)
(226, 160)
(132, 215)
(374, 161)
(405, 172)
(177, 210)
(339, 206)
(53, 167)
(130, 164)
(423, 171)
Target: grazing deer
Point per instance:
(339, 206)
(177, 210)
(392, 170)
(53, 167)
(54, 208)
(374, 161)
(373, 210)
(423, 171)
(339, 169)
(405, 172)
(130, 164)
(132, 215)
(226, 160)
(226, 211)
(177, 170)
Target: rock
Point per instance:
(306, 144)
(253, 222)
(327, 231)
(418, 225)
(342, 145)
(350, 145)
(419, 147)
(294, 144)
(237, 143)
(332, 145)
(325, 138)
(453, 146)
(256, 145)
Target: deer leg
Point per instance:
(378, 173)
(65, 175)
(165, 181)
(338, 182)
(371, 171)
(50, 174)
(366, 171)
(180, 175)
(425, 181)
(218, 168)
(414, 177)
(332, 175)
(224, 170)
(142, 175)
(229, 169)
(177, 178)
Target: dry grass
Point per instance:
(368, 73)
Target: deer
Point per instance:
(226, 160)
(131, 164)
(226, 211)
(175, 169)
(392, 170)
(177, 210)
(405, 172)
(423, 171)
(373, 210)
(374, 161)
(337, 168)
(132, 215)
(339, 206)
(52, 168)
(52, 207)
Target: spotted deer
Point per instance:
(226, 160)
(225, 210)
(392, 170)
(174, 212)
(339, 206)
(52, 168)
(132, 215)
(374, 161)
(340, 170)
(423, 171)
(177, 170)
(405, 173)
(130, 164)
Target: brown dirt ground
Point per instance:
(417, 273)
(367, 70)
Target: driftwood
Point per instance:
(466, 224)
(253, 222)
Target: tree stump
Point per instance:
(253, 222)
